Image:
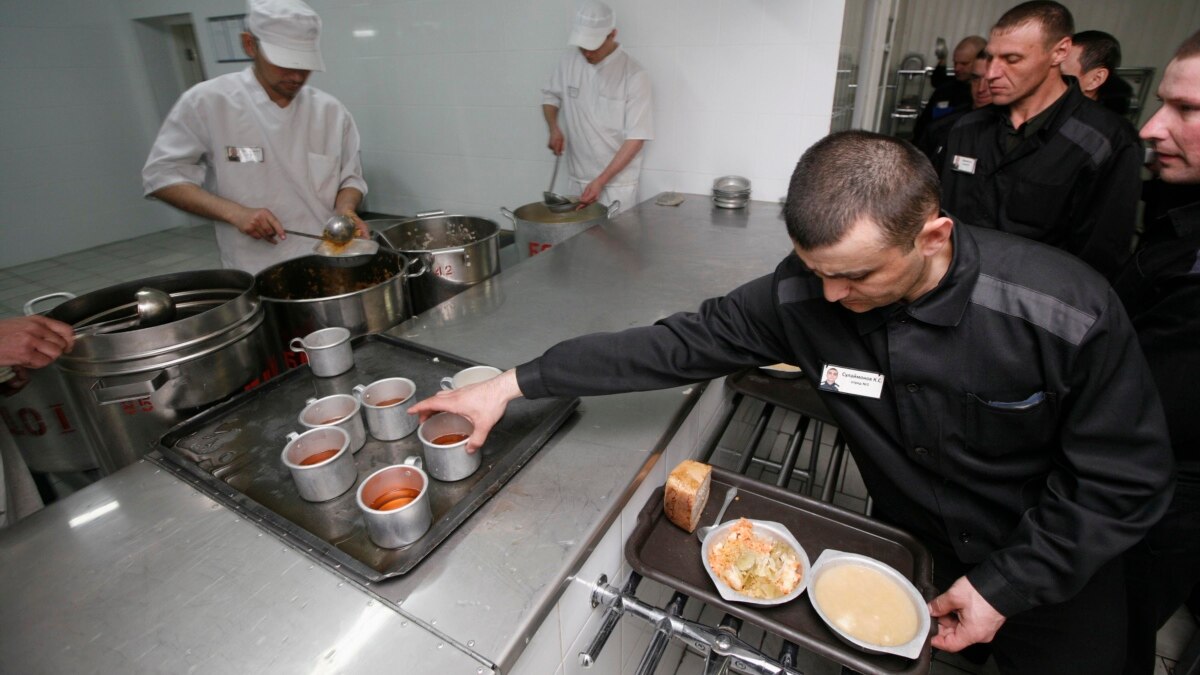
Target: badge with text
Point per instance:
(243, 154)
(964, 164)
(573, 92)
(850, 381)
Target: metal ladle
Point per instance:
(553, 199)
(154, 307)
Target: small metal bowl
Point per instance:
(732, 183)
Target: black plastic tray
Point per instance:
(660, 550)
(232, 451)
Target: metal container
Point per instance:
(327, 478)
(44, 421)
(537, 228)
(450, 461)
(459, 252)
(339, 410)
(306, 294)
(385, 404)
(133, 385)
(400, 526)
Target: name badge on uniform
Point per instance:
(850, 381)
(573, 92)
(964, 164)
(243, 154)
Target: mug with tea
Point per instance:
(338, 410)
(320, 462)
(395, 504)
(472, 375)
(328, 350)
(444, 437)
(385, 404)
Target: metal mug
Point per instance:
(337, 410)
(450, 461)
(399, 526)
(472, 375)
(325, 479)
(385, 404)
(328, 350)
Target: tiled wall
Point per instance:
(446, 93)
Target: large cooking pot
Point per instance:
(363, 295)
(44, 420)
(537, 228)
(132, 385)
(459, 252)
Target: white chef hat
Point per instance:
(288, 32)
(593, 22)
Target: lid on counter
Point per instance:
(538, 212)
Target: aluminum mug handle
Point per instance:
(60, 294)
(509, 214)
(447, 384)
(415, 461)
(297, 345)
(613, 207)
(426, 214)
(310, 401)
(358, 390)
(292, 436)
(408, 273)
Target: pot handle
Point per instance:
(129, 391)
(614, 207)
(408, 273)
(509, 214)
(426, 214)
(60, 294)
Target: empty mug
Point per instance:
(320, 462)
(472, 375)
(444, 437)
(395, 504)
(338, 410)
(385, 405)
(328, 350)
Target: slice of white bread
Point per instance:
(687, 493)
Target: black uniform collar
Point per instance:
(1062, 109)
(946, 303)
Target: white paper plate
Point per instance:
(830, 559)
(761, 528)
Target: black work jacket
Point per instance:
(1018, 428)
(1074, 184)
(1161, 290)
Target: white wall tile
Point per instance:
(543, 654)
(577, 618)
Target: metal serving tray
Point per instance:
(232, 452)
(660, 550)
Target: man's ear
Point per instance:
(1059, 52)
(248, 44)
(934, 235)
(1096, 78)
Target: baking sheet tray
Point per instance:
(233, 453)
(659, 550)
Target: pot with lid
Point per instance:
(459, 252)
(537, 228)
(133, 384)
(306, 294)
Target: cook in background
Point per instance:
(598, 108)
(1161, 290)
(1017, 433)
(1093, 60)
(27, 342)
(951, 94)
(257, 151)
(933, 142)
(1044, 161)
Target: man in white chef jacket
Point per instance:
(598, 108)
(257, 151)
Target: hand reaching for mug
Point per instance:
(483, 403)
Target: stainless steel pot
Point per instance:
(133, 385)
(537, 228)
(313, 292)
(459, 252)
(44, 420)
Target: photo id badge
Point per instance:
(243, 154)
(850, 381)
(964, 164)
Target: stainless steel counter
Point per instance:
(169, 580)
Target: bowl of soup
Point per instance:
(868, 604)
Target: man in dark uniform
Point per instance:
(1093, 61)
(1015, 429)
(951, 94)
(1161, 290)
(933, 143)
(1044, 161)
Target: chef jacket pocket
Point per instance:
(611, 112)
(322, 171)
(1037, 205)
(998, 427)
